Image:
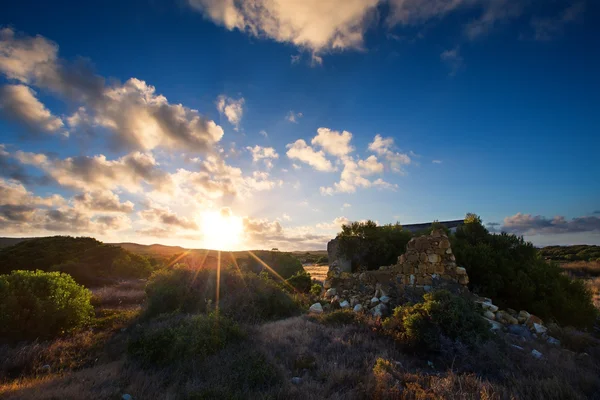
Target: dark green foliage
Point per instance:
(89, 261)
(509, 270)
(181, 339)
(283, 264)
(316, 289)
(243, 296)
(580, 252)
(41, 305)
(442, 315)
(373, 245)
(300, 281)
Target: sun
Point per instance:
(221, 229)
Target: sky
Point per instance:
(270, 123)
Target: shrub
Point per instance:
(243, 296)
(509, 270)
(181, 339)
(373, 245)
(337, 317)
(41, 305)
(442, 314)
(300, 281)
(283, 264)
(316, 289)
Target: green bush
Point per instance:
(509, 270)
(279, 263)
(181, 339)
(41, 305)
(244, 296)
(316, 289)
(442, 314)
(336, 317)
(300, 281)
(374, 245)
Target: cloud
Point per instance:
(263, 153)
(548, 27)
(527, 224)
(453, 60)
(165, 216)
(315, 25)
(333, 142)
(294, 117)
(335, 224)
(436, 161)
(299, 150)
(384, 147)
(137, 117)
(494, 13)
(263, 133)
(18, 102)
(104, 201)
(232, 109)
(346, 205)
(9, 168)
(354, 176)
(98, 173)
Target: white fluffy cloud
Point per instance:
(299, 150)
(232, 109)
(453, 59)
(293, 117)
(315, 25)
(385, 147)
(333, 142)
(104, 201)
(137, 117)
(267, 154)
(18, 102)
(354, 175)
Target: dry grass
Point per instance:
(125, 293)
(582, 268)
(317, 272)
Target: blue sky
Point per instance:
(138, 121)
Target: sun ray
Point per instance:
(264, 264)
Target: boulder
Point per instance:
(553, 341)
(539, 329)
(461, 271)
(296, 380)
(494, 325)
(330, 292)
(379, 310)
(358, 308)
(523, 316)
(488, 306)
(536, 354)
(489, 315)
(533, 320)
(374, 300)
(345, 304)
(327, 284)
(316, 308)
(506, 318)
(520, 331)
(384, 299)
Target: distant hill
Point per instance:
(6, 241)
(582, 252)
(88, 260)
(152, 249)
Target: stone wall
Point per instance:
(427, 264)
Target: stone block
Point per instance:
(412, 257)
(439, 269)
(434, 258)
(423, 257)
(444, 244)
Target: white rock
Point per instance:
(427, 288)
(374, 300)
(536, 354)
(330, 292)
(539, 329)
(384, 299)
(517, 347)
(552, 340)
(345, 304)
(489, 315)
(327, 284)
(316, 308)
(358, 308)
(296, 380)
(127, 397)
(494, 325)
(488, 306)
(412, 279)
(461, 271)
(379, 310)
